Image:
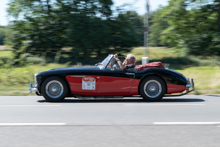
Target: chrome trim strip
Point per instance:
(130, 73)
(77, 75)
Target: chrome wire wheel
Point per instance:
(152, 88)
(54, 89)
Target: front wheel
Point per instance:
(54, 89)
(152, 88)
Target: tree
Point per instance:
(193, 26)
(128, 31)
(87, 26)
(2, 34)
(45, 22)
(158, 23)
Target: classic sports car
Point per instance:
(107, 79)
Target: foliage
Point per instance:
(193, 26)
(91, 30)
(5, 62)
(88, 27)
(158, 23)
(204, 44)
(2, 34)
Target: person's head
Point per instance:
(130, 59)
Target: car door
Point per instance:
(115, 82)
(83, 84)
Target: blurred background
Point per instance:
(38, 35)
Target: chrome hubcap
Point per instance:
(54, 89)
(152, 88)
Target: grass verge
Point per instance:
(207, 79)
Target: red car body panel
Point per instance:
(114, 86)
(104, 86)
(134, 87)
(172, 88)
(75, 82)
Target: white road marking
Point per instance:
(29, 105)
(186, 123)
(157, 104)
(32, 124)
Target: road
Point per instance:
(187, 121)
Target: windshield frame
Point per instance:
(105, 62)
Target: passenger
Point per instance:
(129, 61)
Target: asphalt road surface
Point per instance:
(187, 121)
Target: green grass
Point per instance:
(6, 54)
(154, 52)
(15, 81)
(207, 79)
(22, 75)
(173, 58)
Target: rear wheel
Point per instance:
(54, 89)
(152, 88)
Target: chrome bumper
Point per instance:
(190, 84)
(33, 89)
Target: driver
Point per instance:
(129, 61)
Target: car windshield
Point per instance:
(105, 62)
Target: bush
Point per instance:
(5, 62)
(35, 60)
(206, 44)
(28, 58)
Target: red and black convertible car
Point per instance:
(107, 79)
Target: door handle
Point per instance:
(131, 74)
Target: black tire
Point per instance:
(152, 88)
(54, 89)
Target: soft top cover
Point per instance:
(150, 65)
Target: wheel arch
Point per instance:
(149, 76)
(62, 77)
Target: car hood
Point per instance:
(77, 68)
(68, 70)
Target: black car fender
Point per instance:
(168, 76)
(41, 79)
